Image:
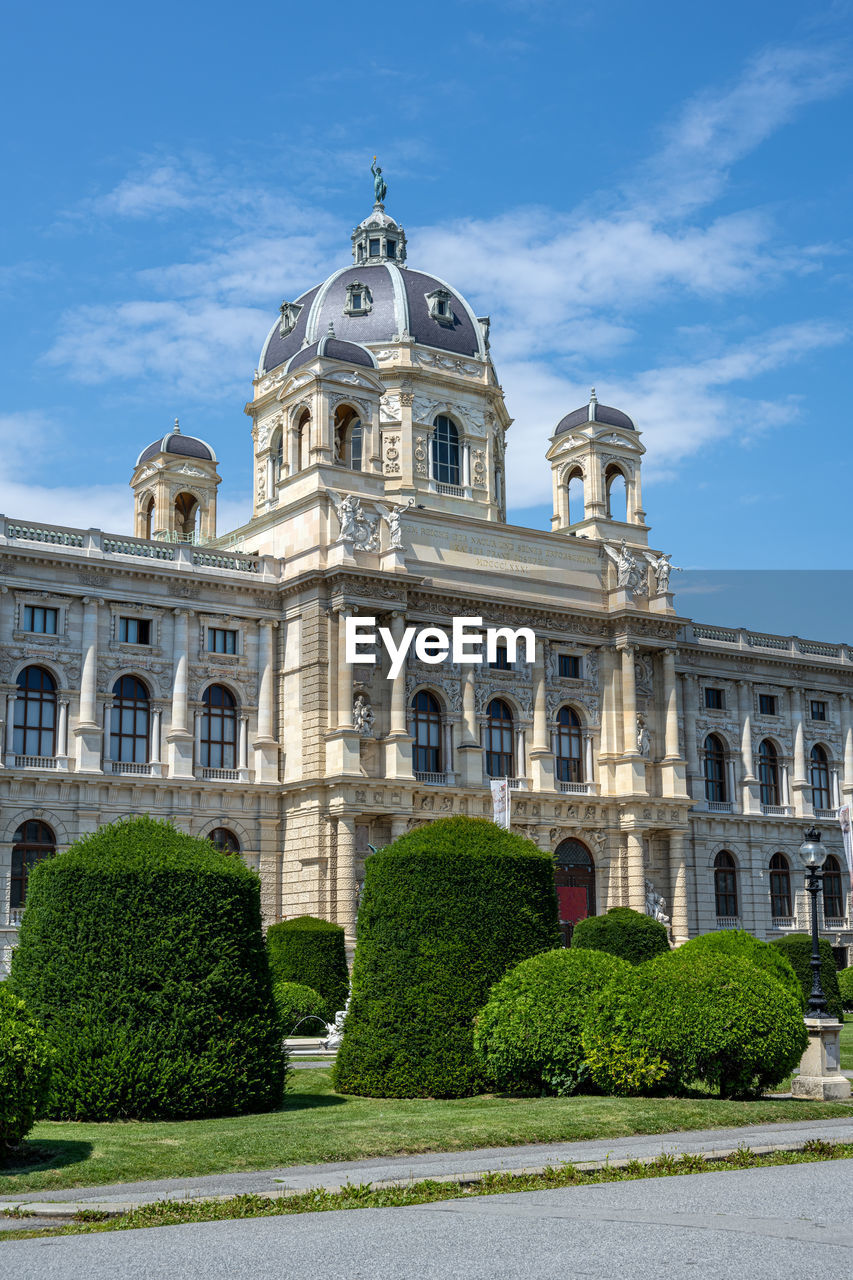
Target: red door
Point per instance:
(574, 877)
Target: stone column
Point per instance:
(345, 676)
(470, 748)
(447, 732)
(520, 754)
(88, 732)
(11, 699)
(332, 670)
(156, 719)
(847, 742)
(800, 786)
(197, 723)
(629, 702)
(243, 744)
(673, 772)
(690, 703)
(179, 737)
(399, 827)
(265, 744)
(636, 872)
(588, 766)
(750, 799)
(541, 753)
(108, 735)
(346, 878)
(62, 735)
(678, 886)
(398, 749)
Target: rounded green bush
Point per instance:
(141, 954)
(445, 911)
(312, 952)
(25, 1062)
(797, 948)
(528, 1037)
(845, 987)
(745, 946)
(677, 1019)
(296, 1002)
(622, 932)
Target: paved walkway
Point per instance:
(447, 1166)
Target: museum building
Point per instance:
(199, 676)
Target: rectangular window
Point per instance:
(767, 704)
(356, 302)
(42, 621)
(134, 631)
(391, 248)
(569, 665)
(715, 699)
(373, 248)
(501, 662)
(220, 640)
(818, 710)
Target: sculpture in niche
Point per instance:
(363, 717)
(656, 905)
(643, 743)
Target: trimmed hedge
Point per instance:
(797, 948)
(845, 986)
(25, 1062)
(623, 932)
(142, 956)
(295, 1002)
(680, 1018)
(445, 911)
(528, 1037)
(312, 952)
(741, 945)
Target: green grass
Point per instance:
(317, 1125)
(847, 1044)
(364, 1196)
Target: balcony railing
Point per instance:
(834, 922)
(828, 815)
(434, 779)
(221, 775)
(452, 490)
(125, 766)
(784, 922)
(576, 788)
(35, 762)
(720, 806)
(517, 784)
(728, 922)
(15, 916)
(776, 810)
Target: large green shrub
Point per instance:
(25, 1061)
(528, 1037)
(797, 948)
(745, 946)
(680, 1018)
(445, 911)
(142, 956)
(623, 932)
(845, 987)
(312, 952)
(295, 1004)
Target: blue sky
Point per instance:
(655, 200)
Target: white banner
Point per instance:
(845, 818)
(500, 802)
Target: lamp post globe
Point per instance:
(813, 855)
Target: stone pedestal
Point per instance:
(820, 1075)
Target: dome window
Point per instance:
(359, 301)
(391, 248)
(440, 303)
(289, 315)
(373, 247)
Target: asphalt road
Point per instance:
(766, 1224)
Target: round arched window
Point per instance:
(224, 840)
(33, 842)
(218, 728)
(35, 713)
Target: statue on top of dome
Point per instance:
(380, 187)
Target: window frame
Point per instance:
(781, 898)
(214, 629)
(124, 619)
(27, 697)
(822, 717)
(768, 704)
(568, 659)
(21, 845)
(136, 711)
(822, 788)
(726, 886)
(715, 698)
(500, 729)
(445, 451)
(568, 732)
(427, 722)
(716, 782)
(218, 715)
(833, 892)
(769, 776)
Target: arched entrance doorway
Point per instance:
(574, 876)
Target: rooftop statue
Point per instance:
(380, 187)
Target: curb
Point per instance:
(70, 1209)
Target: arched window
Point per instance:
(616, 492)
(224, 840)
(445, 451)
(303, 440)
(569, 754)
(426, 731)
(574, 484)
(33, 841)
(218, 728)
(148, 518)
(500, 758)
(186, 510)
(768, 772)
(833, 889)
(819, 779)
(574, 878)
(725, 885)
(780, 887)
(35, 713)
(349, 437)
(277, 459)
(129, 721)
(715, 769)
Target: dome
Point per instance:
(175, 442)
(594, 412)
(332, 348)
(394, 300)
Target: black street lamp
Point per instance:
(813, 855)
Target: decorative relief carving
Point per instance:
(389, 407)
(478, 468)
(421, 455)
(391, 454)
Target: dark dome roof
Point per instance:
(332, 348)
(175, 442)
(399, 304)
(595, 412)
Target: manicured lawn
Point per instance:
(318, 1125)
(847, 1044)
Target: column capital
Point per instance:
(95, 600)
(626, 646)
(268, 622)
(182, 612)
